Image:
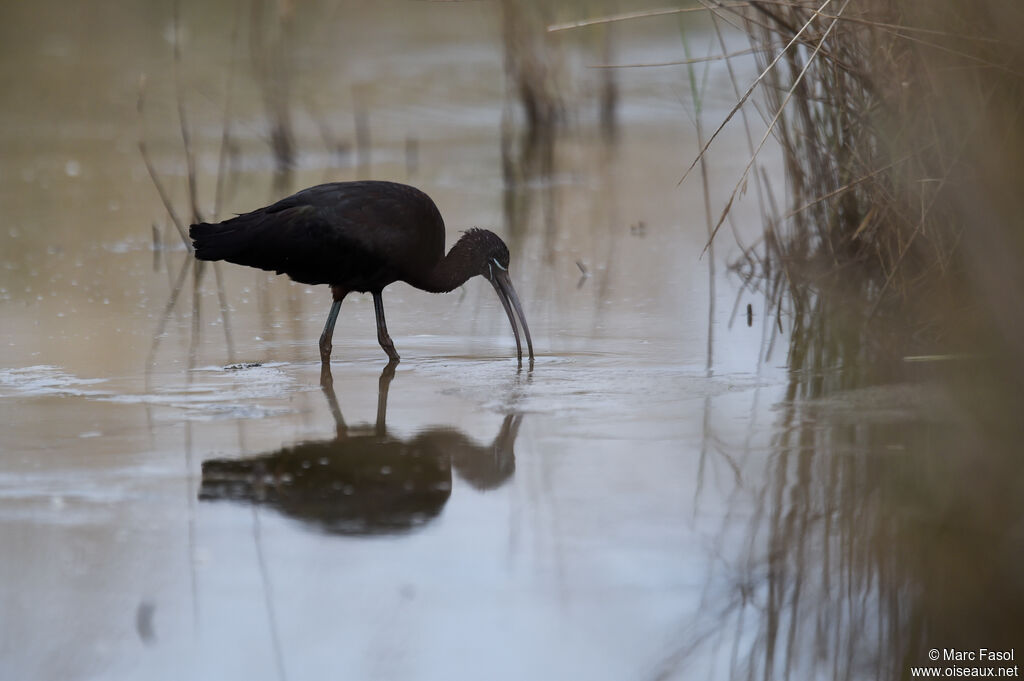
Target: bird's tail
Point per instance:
(218, 241)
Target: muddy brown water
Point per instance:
(194, 505)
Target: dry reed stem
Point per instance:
(684, 62)
(144, 151)
(746, 95)
(186, 138)
(845, 188)
(225, 137)
(771, 126)
(626, 16)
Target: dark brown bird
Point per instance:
(361, 236)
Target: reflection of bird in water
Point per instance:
(364, 482)
(361, 236)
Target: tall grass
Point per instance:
(888, 522)
(902, 128)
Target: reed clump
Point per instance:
(901, 126)
(898, 258)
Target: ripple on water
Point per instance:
(45, 379)
(210, 393)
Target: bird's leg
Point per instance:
(382, 329)
(328, 334)
(325, 337)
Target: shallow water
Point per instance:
(180, 498)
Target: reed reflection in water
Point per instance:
(887, 522)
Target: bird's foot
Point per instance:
(388, 346)
(326, 378)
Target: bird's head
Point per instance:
(491, 257)
(489, 252)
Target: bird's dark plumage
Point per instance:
(360, 236)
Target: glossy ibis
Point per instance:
(361, 236)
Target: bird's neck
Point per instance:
(451, 271)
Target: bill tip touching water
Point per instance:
(362, 236)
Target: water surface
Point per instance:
(179, 496)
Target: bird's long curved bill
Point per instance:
(507, 294)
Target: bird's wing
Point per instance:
(359, 234)
(394, 222)
(296, 240)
